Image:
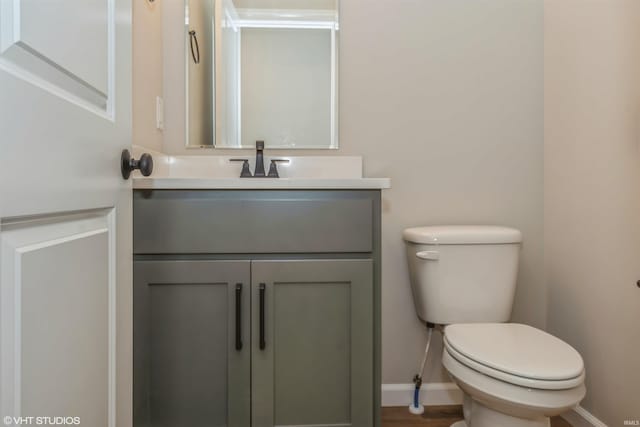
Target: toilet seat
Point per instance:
(517, 354)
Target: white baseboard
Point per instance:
(580, 417)
(434, 394)
(431, 394)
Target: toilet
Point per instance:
(464, 279)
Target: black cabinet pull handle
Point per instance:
(239, 316)
(263, 290)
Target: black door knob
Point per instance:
(129, 164)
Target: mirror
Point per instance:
(261, 70)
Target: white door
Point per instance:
(65, 212)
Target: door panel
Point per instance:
(75, 61)
(319, 338)
(65, 211)
(64, 148)
(186, 360)
(58, 321)
(316, 367)
(187, 367)
(83, 34)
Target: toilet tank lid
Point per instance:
(462, 235)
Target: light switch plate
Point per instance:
(159, 113)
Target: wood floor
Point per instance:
(434, 416)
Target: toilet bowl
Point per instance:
(512, 375)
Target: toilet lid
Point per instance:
(516, 350)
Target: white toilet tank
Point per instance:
(463, 274)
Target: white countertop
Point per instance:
(218, 172)
(170, 183)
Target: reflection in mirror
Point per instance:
(275, 78)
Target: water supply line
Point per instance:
(416, 407)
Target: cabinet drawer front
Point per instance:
(167, 221)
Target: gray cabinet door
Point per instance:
(189, 367)
(313, 365)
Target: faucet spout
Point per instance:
(259, 160)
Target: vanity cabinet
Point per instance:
(256, 308)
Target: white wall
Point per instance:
(446, 99)
(173, 49)
(592, 194)
(147, 72)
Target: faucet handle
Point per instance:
(273, 168)
(246, 171)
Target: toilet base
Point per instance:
(480, 415)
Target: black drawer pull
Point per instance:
(239, 316)
(263, 290)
